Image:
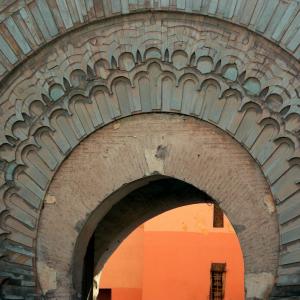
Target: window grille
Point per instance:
(217, 290)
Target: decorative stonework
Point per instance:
(26, 26)
(146, 63)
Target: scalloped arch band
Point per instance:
(26, 26)
(142, 63)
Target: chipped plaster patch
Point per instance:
(258, 285)
(50, 199)
(155, 159)
(269, 203)
(96, 285)
(116, 126)
(47, 277)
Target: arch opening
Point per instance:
(189, 252)
(157, 195)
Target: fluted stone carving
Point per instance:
(28, 25)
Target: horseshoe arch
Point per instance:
(229, 80)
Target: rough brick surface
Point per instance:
(130, 149)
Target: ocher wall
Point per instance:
(170, 256)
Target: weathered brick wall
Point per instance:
(131, 149)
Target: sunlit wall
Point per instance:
(170, 256)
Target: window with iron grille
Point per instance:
(218, 221)
(217, 288)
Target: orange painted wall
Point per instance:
(169, 257)
(126, 294)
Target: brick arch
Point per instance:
(155, 62)
(165, 145)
